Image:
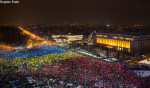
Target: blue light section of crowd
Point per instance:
(38, 51)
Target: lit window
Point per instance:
(121, 38)
(115, 37)
(99, 35)
(105, 36)
(129, 39)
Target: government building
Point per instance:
(126, 43)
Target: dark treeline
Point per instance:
(11, 35)
(62, 30)
(88, 29)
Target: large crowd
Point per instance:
(82, 68)
(38, 61)
(37, 51)
(71, 67)
(78, 69)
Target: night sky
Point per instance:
(79, 11)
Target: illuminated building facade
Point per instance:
(128, 43)
(67, 38)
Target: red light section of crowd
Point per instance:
(83, 68)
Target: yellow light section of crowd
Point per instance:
(119, 43)
(37, 61)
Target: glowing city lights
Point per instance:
(30, 34)
(35, 40)
(5, 47)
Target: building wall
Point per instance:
(141, 44)
(145, 46)
(136, 44)
(135, 47)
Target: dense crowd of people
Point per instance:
(70, 67)
(37, 61)
(82, 68)
(37, 51)
(99, 73)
